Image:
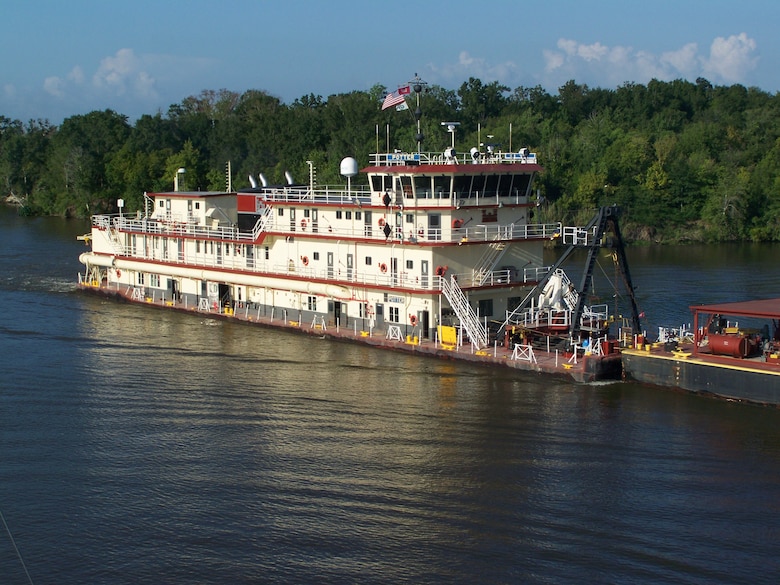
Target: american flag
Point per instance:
(395, 98)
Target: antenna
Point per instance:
(451, 129)
(418, 85)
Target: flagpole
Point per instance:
(377, 138)
(387, 132)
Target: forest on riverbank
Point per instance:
(685, 161)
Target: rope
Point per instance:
(13, 542)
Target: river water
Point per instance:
(144, 446)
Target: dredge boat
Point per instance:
(438, 253)
(732, 351)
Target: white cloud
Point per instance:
(730, 61)
(76, 75)
(468, 66)
(685, 59)
(118, 72)
(54, 86)
(730, 58)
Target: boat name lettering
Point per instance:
(403, 156)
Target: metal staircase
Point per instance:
(491, 257)
(116, 240)
(465, 313)
(263, 222)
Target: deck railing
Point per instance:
(452, 158)
(399, 233)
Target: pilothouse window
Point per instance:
(441, 187)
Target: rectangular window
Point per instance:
(441, 187)
(358, 215)
(154, 279)
(368, 260)
(409, 264)
(306, 213)
(197, 246)
(140, 278)
(393, 315)
(281, 211)
(267, 253)
(409, 218)
(312, 303)
(486, 308)
(197, 205)
(315, 256)
(347, 215)
(422, 186)
(338, 214)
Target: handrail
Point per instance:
(477, 233)
(437, 158)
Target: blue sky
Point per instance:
(136, 57)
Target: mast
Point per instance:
(417, 85)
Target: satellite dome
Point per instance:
(349, 167)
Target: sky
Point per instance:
(137, 57)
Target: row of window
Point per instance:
(459, 187)
(218, 248)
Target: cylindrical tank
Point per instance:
(732, 345)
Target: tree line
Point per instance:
(685, 161)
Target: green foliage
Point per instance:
(684, 160)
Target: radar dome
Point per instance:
(349, 167)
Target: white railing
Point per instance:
(441, 158)
(478, 233)
(465, 313)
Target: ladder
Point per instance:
(489, 260)
(465, 313)
(263, 222)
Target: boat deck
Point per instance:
(582, 368)
(754, 379)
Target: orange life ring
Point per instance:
(413, 319)
(383, 267)
(305, 260)
(118, 273)
(303, 224)
(457, 223)
(441, 270)
(381, 221)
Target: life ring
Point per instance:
(305, 260)
(420, 232)
(457, 223)
(303, 224)
(381, 221)
(413, 320)
(383, 267)
(118, 273)
(441, 270)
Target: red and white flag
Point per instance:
(393, 99)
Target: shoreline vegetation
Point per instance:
(685, 161)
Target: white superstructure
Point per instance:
(435, 238)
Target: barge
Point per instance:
(437, 252)
(732, 351)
